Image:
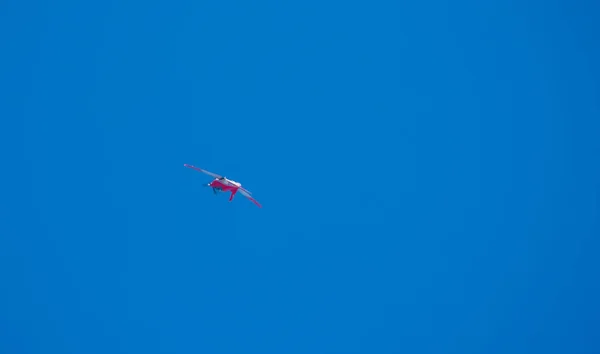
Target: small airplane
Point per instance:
(222, 184)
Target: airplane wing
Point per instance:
(201, 170)
(247, 195)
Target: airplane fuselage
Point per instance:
(225, 185)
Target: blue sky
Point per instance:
(428, 171)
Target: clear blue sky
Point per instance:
(428, 170)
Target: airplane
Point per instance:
(223, 184)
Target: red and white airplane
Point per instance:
(223, 184)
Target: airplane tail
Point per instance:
(233, 194)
